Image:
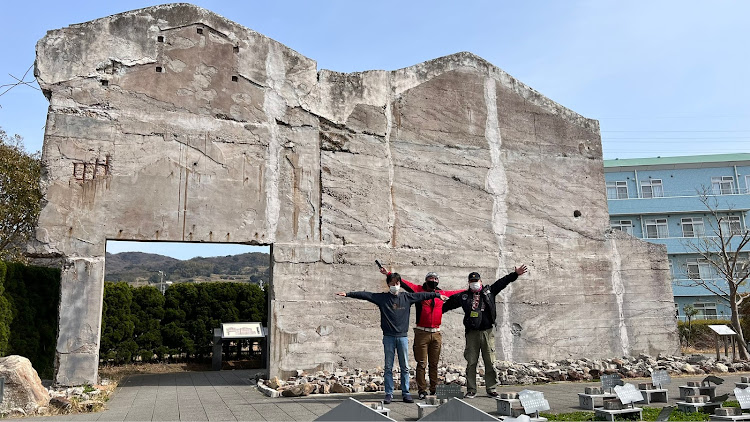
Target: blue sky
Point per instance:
(662, 77)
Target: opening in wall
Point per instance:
(164, 300)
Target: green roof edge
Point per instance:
(686, 159)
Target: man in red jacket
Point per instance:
(427, 338)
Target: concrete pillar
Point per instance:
(81, 296)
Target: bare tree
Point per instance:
(723, 250)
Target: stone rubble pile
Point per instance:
(344, 380)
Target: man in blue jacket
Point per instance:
(395, 307)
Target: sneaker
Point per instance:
(470, 394)
(422, 395)
(408, 399)
(388, 399)
(492, 394)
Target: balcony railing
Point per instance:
(685, 193)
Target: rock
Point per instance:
(74, 391)
(338, 388)
(721, 367)
(60, 403)
(23, 388)
(274, 383)
(689, 369)
(574, 375)
(298, 390)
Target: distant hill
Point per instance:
(143, 268)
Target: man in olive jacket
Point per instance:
(480, 312)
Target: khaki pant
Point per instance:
(427, 348)
(483, 341)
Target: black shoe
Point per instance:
(388, 399)
(422, 395)
(408, 399)
(492, 394)
(470, 394)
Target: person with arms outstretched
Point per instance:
(395, 307)
(478, 303)
(428, 340)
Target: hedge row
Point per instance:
(29, 300)
(141, 323)
(699, 336)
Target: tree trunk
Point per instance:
(737, 327)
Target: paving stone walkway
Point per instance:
(229, 396)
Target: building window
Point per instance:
(656, 228)
(617, 190)
(741, 269)
(747, 183)
(623, 225)
(698, 269)
(706, 310)
(692, 227)
(722, 185)
(730, 225)
(652, 188)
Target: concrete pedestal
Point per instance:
(588, 401)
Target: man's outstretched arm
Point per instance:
(357, 295)
(503, 282)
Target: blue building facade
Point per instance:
(659, 200)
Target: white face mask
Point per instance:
(394, 289)
(475, 286)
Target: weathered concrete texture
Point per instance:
(172, 123)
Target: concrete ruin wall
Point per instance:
(172, 123)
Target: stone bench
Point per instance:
(610, 414)
(658, 395)
(697, 407)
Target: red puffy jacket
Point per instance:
(429, 312)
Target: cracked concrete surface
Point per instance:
(215, 133)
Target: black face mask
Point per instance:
(431, 284)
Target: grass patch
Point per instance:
(649, 414)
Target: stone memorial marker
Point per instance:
(610, 381)
(743, 396)
(628, 394)
(533, 401)
(661, 378)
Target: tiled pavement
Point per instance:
(228, 396)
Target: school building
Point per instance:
(659, 200)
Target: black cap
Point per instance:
(474, 276)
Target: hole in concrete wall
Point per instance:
(188, 274)
(236, 49)
(160, 38)
(576, 213)
(200, 30)
(235, 79)
(158, 69)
